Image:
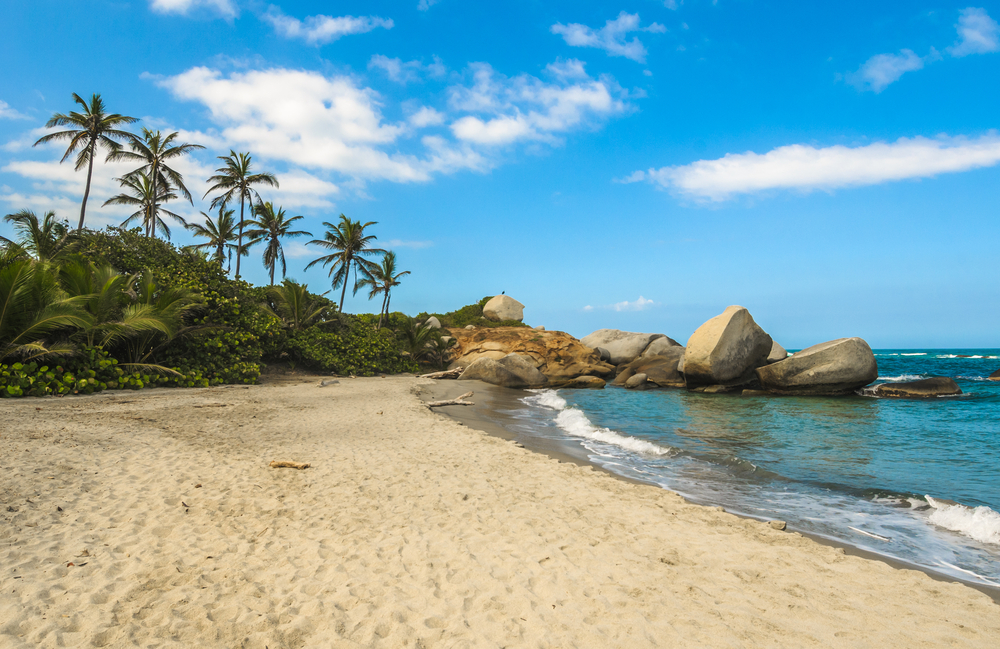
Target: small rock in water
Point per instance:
(778, 525)
(995, 376)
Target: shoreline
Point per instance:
(484, 417)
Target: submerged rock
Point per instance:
(511, 371)
(835, 367)
(726, 349)
(623, 346)
(503, 307)
(934, 386)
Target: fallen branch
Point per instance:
(288, 465)
(447, 374)
(453, 402)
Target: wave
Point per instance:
(574, 423)
(979, 523)
(902, 377)
(915, 354)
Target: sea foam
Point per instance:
(979, 523)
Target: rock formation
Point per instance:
(503, 307)
(432, 323)
(559, 356)
(659, 370)
(622, 346)
(778, 353)
(726, 349)
(934, 386)
(835, 367)
(511, 371)
(995, 376)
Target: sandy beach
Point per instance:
(153, 519)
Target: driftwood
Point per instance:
(326, 382)
(453, 402)
(288, 465)
(447, 374)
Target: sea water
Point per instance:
(912, 479)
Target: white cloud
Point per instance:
(526, 108)
(6, 112)
(882, 69)
(225, 7)
(318, 30)
(300, 189)
(808, 168)
(638, 305)
(424, 5)
(571, 69)
(415, 245)
(405, 72)
(588, 308)
(426, 116)
(634, 177)
(611, 37)
(978, 33)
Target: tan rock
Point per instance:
(623, 346)
(778, 353)
(726, 349)
(511, 371)
(660, 370)
(585, 382)
(835, 367)
(503, 307)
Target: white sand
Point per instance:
(409, 530)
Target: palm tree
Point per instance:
(46, 239)
(293, 304)
(94, 128)
(350, 244)
(382, 279)
(154, 150)
(271, 227)
(142, 196)
(234, 180)
(220, 234)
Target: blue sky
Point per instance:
(638, 165)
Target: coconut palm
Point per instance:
(271, 226)
(350, 245)
(143, 196)
(94, 128)
(46, 238)
(154, 151)
(235, 181)
(221, 233)
(294, 305)
(381, 279)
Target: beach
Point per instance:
(153, 519)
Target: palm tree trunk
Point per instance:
(86, 192)
(381, 313)
(274, 262)
(387, 299)
(239, 243)
(152, 226)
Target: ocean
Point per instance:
(914, 480)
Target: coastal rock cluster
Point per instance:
(728, 353)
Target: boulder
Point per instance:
(558, 356)
(604, 354)
(778, 353)
(726, 349)
(511, 371)
(660, 370)
(835, 367)
(470, 327)
(623, 346)
(935, 386)
(585, 382)
(503, 307)
(432, 323)
(636, 381)
(540, 328)
(995, 376)
(661, 346)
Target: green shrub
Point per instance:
(469, 314)
(358, 349)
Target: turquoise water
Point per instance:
(917, 480)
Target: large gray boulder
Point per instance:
(433, 323)
(503, 307)
(659, 370)
(661, 346)
(935, 386)
(778, 353)
(726, 349)
(623, 346)
(835, 367)
(511, 371)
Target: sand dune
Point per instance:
(408, 530)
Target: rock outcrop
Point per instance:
(432, 323)
(935, 386)
(778, 353)
(726, 350)
(659, 370)
(660, 346)
(511, 371)
(995, 376)
(623, 346)
(559, 356)
(636, 381)
(585, 382)
(503, 307)
(835, 367)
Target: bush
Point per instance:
(469, 314)
(358, 349)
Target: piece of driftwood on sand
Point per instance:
(446, 374)
(458, 401)
(281, 464)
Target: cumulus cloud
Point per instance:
(526, 108)
(638, 305)
(318, 30)
(406, 72)
(611, 37)
(426, 116)
(883, 69)
(806, 168)
(424, 5)
(225, 7)
(6, 112)
(977, 33)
